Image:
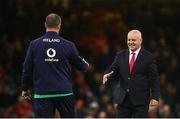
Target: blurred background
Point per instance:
(99, 29)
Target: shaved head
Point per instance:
(53, 21)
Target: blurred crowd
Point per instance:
(99, 29)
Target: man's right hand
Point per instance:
(106, 76)
(26, 95)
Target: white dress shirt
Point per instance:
(136, 54)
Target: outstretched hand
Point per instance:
(153, 103)
(106, 76)
(26, 95)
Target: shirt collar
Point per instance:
(51, 33)
(136, 52)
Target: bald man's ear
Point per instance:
(59, 27)
(141, 40)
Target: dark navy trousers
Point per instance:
(45, 107)
(128, 110)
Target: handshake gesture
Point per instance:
(106, 76)
(26, 95)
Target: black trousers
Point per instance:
(128, 110)
(45, 108)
